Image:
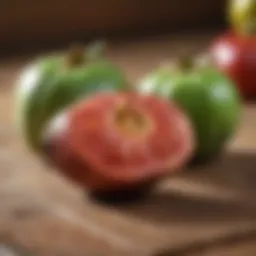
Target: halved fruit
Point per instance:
(118, 140)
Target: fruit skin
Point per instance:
(47, 86)
(207, 97)
(87, 148)
(242, 16)
(234, 55)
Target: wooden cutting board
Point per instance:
(43, 214)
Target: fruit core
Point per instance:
(131, 121)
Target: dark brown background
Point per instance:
(27, 23)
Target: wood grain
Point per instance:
(45, 215)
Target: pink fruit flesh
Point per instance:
(115, 139)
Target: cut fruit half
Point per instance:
(120, 139)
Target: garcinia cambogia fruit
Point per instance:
(208, 97)
(52, 83)
(242, 17)
(233, 55)
(113, 141)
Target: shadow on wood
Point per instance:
(234, 172)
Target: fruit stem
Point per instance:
(75, 56)
(183, 64)
(178, 65)
(186, 64)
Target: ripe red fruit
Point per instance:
(118, 140)
(235, 55)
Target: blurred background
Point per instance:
(29, 24)
(42, 214)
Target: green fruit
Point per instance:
(209, 99)
(53, 83)
(242, 16)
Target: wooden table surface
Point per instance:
(210, 206)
